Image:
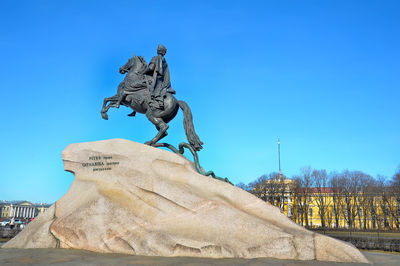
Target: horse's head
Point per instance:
(128, 66)
(136, 64)
(141, 65)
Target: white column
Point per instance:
(17, 212)
(289, 208)
(31, 213)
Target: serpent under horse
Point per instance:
(133, 93)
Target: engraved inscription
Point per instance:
(100, 163)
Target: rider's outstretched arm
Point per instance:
(150, 68)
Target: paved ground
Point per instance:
(78, 257)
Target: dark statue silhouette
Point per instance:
(146, 89)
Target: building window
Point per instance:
(386, 212)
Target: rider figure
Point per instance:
(158, 81)
(161, 85)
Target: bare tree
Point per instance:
(335, 184)
(356, 181)
(329, 215)
(383, 201)
(278, 188)
(244, 186)
(304, 184)
(348, 209)
(320, 181)
(270, 188)
(367, 204)
(257, 187)
(372, 206)
(345, 195)
(395, 196)
(297, 215)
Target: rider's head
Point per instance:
(161, 49)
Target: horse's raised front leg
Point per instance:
(161, 127)
(105, 108)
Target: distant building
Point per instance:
(330, 207)
(21, 209)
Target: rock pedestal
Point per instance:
(135, 199)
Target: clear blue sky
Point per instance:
(324, 76)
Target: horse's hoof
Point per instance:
(104, 116)
(227, 181)
(150, 143)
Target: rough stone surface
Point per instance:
(134, 199)
(36, 234)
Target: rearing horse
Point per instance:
(133, 92)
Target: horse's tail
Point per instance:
(191, 135)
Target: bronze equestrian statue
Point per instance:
(146, 89)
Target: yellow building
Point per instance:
(324, 207)
(331, 208)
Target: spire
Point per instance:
(279, 155)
